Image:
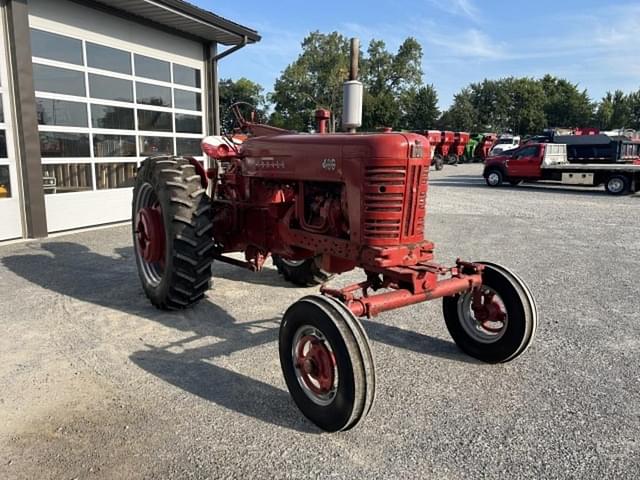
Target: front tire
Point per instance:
(327, 363)
(452, 159)
(172, 232)
(502, 325)
(494, 178)
(304, 273)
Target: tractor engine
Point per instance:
(349, 198)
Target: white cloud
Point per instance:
(469, 43)
(464, 8)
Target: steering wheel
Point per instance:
(239, 122)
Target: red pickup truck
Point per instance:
(548, 161)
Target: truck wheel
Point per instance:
(501, 325)
(172, 232)
(494, 178)
(438, 161)
(617, 185)
(452, 159)
(306, 273)
(327, 363)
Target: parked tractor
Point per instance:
(460, 141)
(484, 146)
(320, 205)
(435, 139)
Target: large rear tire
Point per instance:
(503, 326)
(172, 232)
(304, 273)
(327, 363)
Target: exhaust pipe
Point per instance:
(352, 93)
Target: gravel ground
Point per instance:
(95, 383)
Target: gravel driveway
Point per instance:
(96, 383)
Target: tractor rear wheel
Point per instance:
(172, 232)
(305, 273)
(495, 323)
(327, 363)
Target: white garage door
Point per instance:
(10, 216)
(103, 105)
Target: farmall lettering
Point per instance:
(269, 163)
(317, 220)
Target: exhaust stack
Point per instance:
(352, 93)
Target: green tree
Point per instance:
(314, 80)
(621, 113)
(565, 105)
(525, 105)
(633, 100)
(491, 100)
(420, 108)
(241, 90)
(390, 81)
(462, 115)
(604, 112)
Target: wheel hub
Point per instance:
(487, 311)
(316, 364)
(150, 233)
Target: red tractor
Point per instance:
(321, 204)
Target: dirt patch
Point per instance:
(85, 431)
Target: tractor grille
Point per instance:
(384, 189)
(413, 223)
(394, 203)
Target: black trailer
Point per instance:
(599, 148)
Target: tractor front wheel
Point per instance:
(172, 232)
(305, 273)
(327, 363)
(496, 322)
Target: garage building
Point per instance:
(88, 89)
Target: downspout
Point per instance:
(214, 104)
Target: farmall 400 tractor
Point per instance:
(321, 204)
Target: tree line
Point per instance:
(396, 96)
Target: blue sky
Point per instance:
(593, 43)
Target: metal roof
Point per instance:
(184, 18)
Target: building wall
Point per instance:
(92, 139)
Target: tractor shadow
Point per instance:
(73, 270)
(416, 342)
(111, 281)
(467, 181)
(268, 276)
